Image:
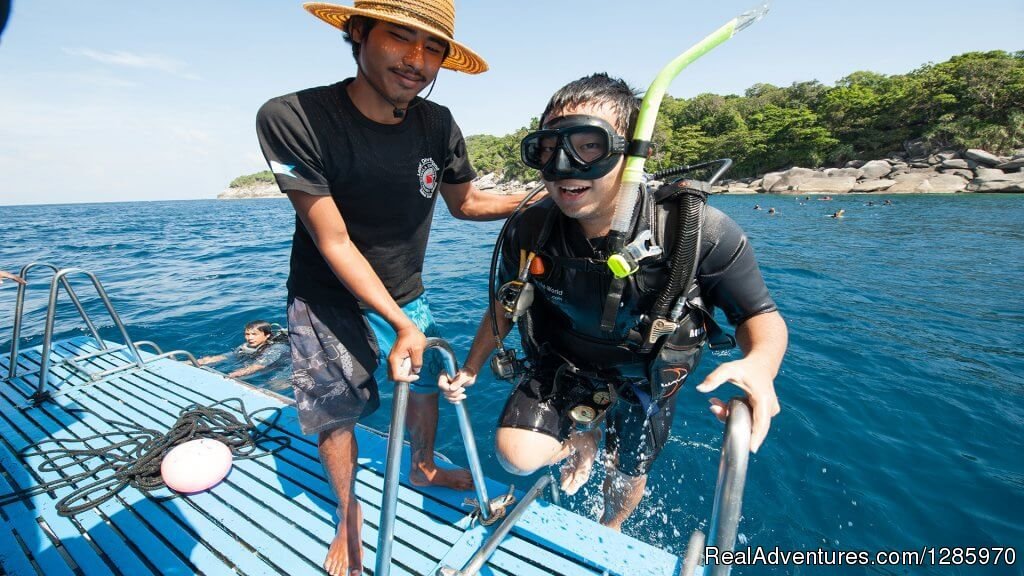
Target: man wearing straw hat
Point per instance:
(362, 162)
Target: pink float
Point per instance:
(196, 465)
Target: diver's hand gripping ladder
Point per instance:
(60, 278)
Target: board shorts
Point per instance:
(635, 438)
(339, 356)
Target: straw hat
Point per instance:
(436, 17)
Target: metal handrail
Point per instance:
(396, 434)
(478, 560)
(466, 428)
(19, 310)
(732, 478)
(149, 343)
(51, 314)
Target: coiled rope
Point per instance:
(134, 457)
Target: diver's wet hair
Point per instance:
(595, 89)
(261, 325)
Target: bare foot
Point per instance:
(577, 467)
(345, 556)
(431, 475)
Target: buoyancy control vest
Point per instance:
(563, 325)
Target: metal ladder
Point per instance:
(60, 278)
(725, 516)
(725, 513)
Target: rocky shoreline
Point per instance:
(263, 190)
(915, 171)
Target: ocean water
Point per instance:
(902, 392)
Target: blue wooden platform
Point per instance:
(272, 515)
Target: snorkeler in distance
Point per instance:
(771, 212)
(263, 349)
(580, 374)
(838, 213)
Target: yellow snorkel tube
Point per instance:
(621, 262)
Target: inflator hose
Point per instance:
(683, 263)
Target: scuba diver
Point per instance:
(263, 349)
(602, 348)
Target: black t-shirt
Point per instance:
(384, 179)
(727, 272)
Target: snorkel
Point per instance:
(620, 263)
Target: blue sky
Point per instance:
(109, 100)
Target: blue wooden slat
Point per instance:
(314, 550)
(239, 497)
(12, 558)
(69, 534)
(516, 546)
(277, 470)
(168, 527)
(22, 521)
(422, 564)
(205, 562)
(516, 554)
(101, 533)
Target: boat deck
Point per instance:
(271, 515)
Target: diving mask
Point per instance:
(573, 147)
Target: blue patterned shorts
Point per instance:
(339, 355)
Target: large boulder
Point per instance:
(947, 155)
(956, 163)
(875, 169)
(965, 174)
(486, 182)
(1012, 164)
(989, 173)
(854, 164)
(912, 183)
(843, 172)
(1005, 183)
(792, 178)
(873, 185)
(982, 157)
(769, 180)
(827, 185)
(947, 183)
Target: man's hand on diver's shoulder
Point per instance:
(406, 357)
(455, 390)
(754, 378)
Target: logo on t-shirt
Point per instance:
(282, 169)
(428, 177)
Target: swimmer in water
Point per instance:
(771, 211)
(262, 350)
(757, 206)
(838, 213)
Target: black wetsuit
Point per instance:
(564, 324)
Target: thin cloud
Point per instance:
(126, 59)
